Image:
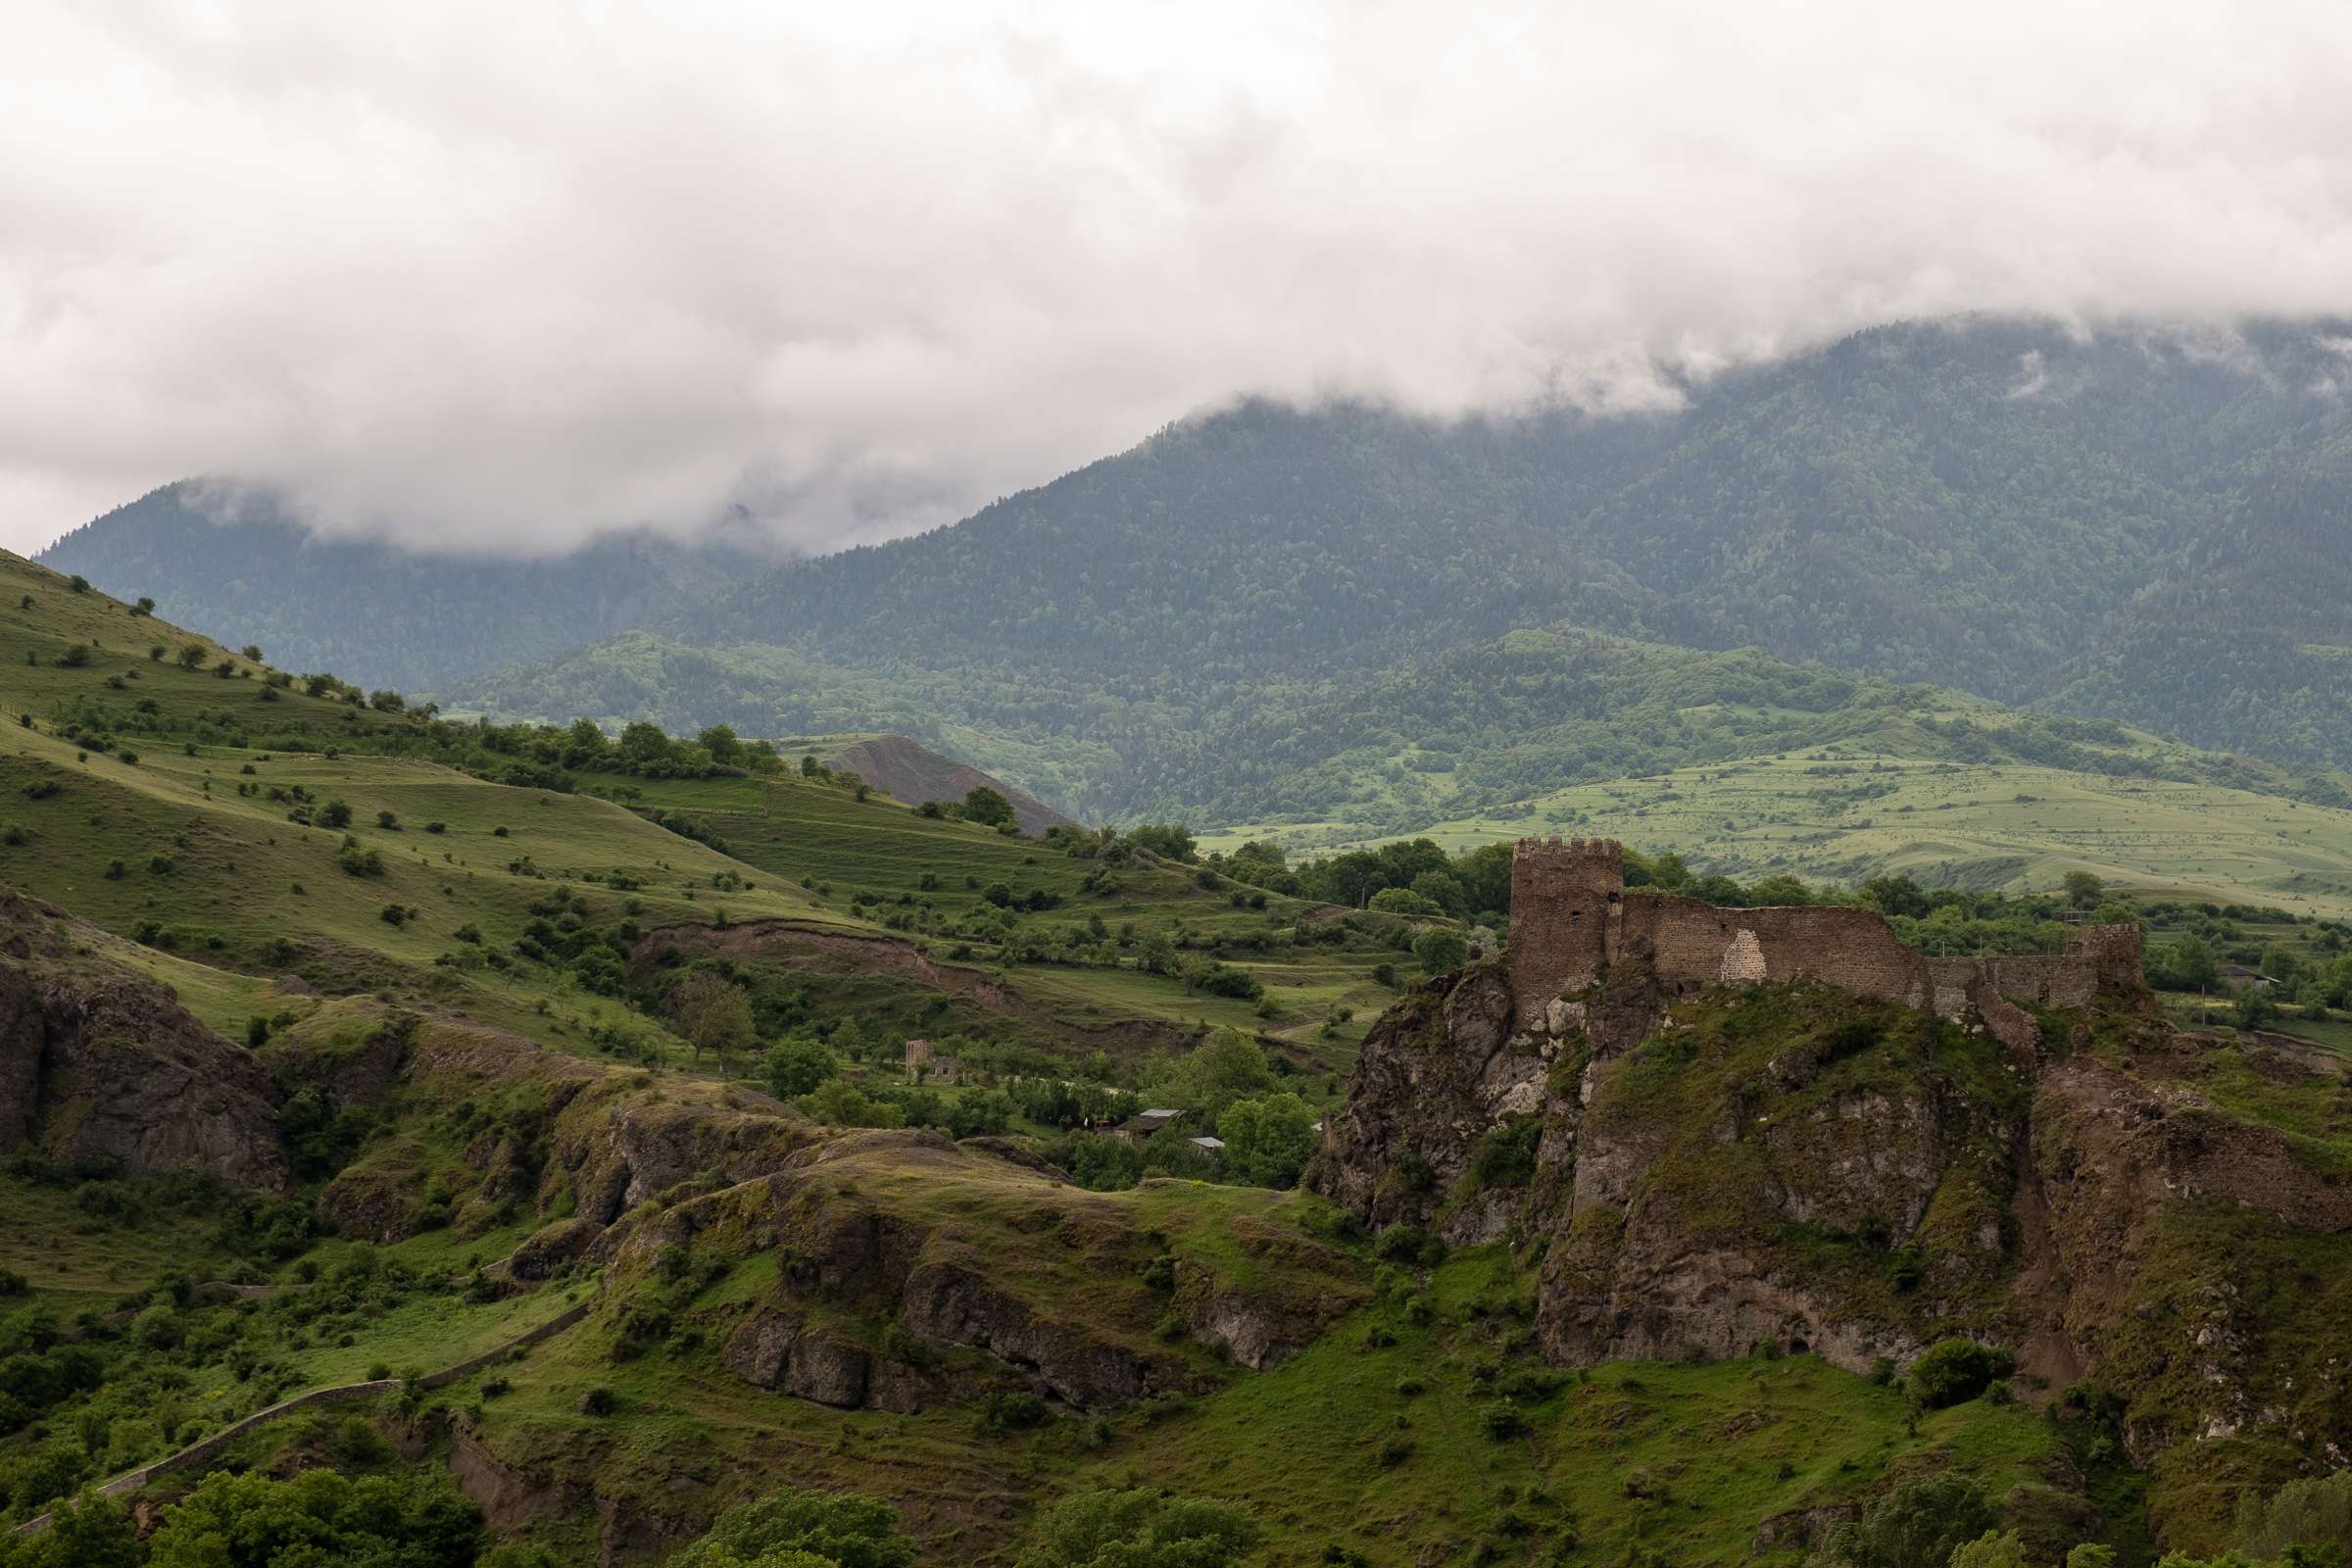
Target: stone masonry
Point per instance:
(1571, 916)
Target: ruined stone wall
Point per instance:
(2050, 979)
(1687, 942)
(1565, 895)
(1571, 918)
(2117, 957)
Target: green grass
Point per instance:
(73, 1260)
(829, 847)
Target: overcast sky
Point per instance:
(506, 273)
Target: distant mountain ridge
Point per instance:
(2140, 526)
(374, 613)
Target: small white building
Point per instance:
(1212, 1145)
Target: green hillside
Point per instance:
(1895, 800)
(542, 1100)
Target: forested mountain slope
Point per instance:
(409, 619)
(1967, 504)
(2138, 525)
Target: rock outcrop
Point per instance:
(102, 1068)
(1713, 1169)
(913, 1269)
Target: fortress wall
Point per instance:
(1687, 941)
(2117, 959)
(2052, 979)
(1571, 917)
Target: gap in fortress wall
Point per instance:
(1572, 918)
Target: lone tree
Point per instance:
(714, 1014)
(986, 806)
(191, 656)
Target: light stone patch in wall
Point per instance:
(1744, 960)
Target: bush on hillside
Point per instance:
(1955, 1371)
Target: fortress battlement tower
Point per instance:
(1566, 896)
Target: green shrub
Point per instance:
(1500, 1421)
(1919, 1522)
(1011, 1412)
(1139, 1527)
(1954, 1371)
(1505, 1155)
(804, 1527)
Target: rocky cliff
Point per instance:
(104, 1069)
(911, 1269)
(1800, 1167)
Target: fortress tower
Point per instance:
(1567, 899)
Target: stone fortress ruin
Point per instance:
(1573, 917)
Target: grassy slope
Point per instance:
(238, 863)
(796, 832)
(1302, 1444)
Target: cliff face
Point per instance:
(99, 1067)
(1796, 1165)
(912, 1270)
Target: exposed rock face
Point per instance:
(507, 1494)
(374, 1205)
(2182, 1236)
(1447, 1052)
(916, 1269)
(616, 1150)
(1841, 1173)
(100, 1067)
(539, 1258)
(776, 1350)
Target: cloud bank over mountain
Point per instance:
(499, 277)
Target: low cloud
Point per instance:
(496, 277)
